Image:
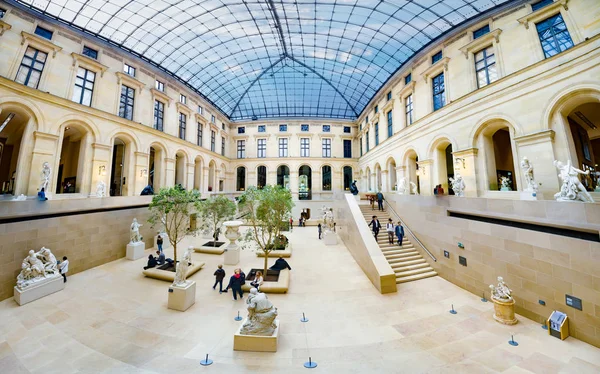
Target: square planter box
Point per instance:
(287, 252)
(256, 343)
(218, 250)
(169, 276)
(281, 286)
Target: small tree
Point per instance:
(214, 211)
(268, 210)
(170, 209)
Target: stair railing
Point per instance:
(388, 206)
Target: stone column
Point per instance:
(189, 177)
(251, 178)
(100, 167)
(169, 172)
(337, 180)
(465, 163)
(317, 183)
(35, 149)
(384, 181)
(539, 149)
(425, 177)
(229, 182)
(141, 173)
(205, 181)
(272, 177)
(294, 183)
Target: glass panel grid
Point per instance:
(182, 125)
(159, 115)
(327, 148)
(31, 67)
(126, 102)
(554, 35)
(261, 148)
(439, 97)
(241, 149)
(485, 66)
(84, 86)
(304, 147)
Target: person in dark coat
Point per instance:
(400, 233)
(159, 243)
(380, 200)
(320, 228)
(235, 283)
(219, 276)
(42, 195)
(376, 226)
(280, 264)
(151, 262)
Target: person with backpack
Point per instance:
(376, 226)
(380, 200)
(389, 228)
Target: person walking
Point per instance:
(320, 228)
(389, 228)
(159, 243)
(291, 224)
(63, 267)
(380, 200)
(219, 276)
(376, 226)
(235, 283)
(400, 233)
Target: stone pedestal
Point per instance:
(135, 250)
(528, 195)
(255, 343)
(165, 238)
(39, 290)
(504, 312)
(181, 298)
(232, 256)
(330, 239)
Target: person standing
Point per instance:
(389, 228)
(440, 190)
(435, 190)
(159, 243)
(291, 224)
(63, 267)
(376, 226)
(219, 276)
(400, 233)
(235, 283)
(320, 228)
(380, 200)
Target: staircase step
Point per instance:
(395, 260)
(391, 252)
(408, 263)
(416, 277)
(401, 267)
(407, 273)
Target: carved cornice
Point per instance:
(43, 135)
(183, 108)
(406, 89)
(544, 12)
(160, 96)
(481, 42)
(200, 118)
(40, 43)
(89, 63)
(465, 152)
(4, 27)
(129, 80)
(436, 68)
(537, 137)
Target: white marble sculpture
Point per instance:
(101, 189)
(261, 315)
(505, 184)
(501, 292)
(182, 268)
(328, 221)
(458, 185)
(46, 172)
(21, 197)
(527, 169)
(414, 189)
(135, 231)
(572, 189)
(402, 187)
(37, 267)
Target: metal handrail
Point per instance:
(410, 232)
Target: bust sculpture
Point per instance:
(458, 185)
(37, 267)
(501, 292)
(182, 268)
(101, 189)
(572, 189)
(353, 188)
(46, 171)
(261, 315)
(402, 187)
(135, 231)
(527, 169)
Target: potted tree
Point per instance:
(268, 210)
(170, 209)
(214, 211)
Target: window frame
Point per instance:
(324, 186)
(486, 67)
(390, 125)
(555, 42)
(261, 148)
(408, 113)
(159, 115)
(223, 145)
(241, 148)
(347, 148)
(262, 128)
(32, 66)
(121, 102)
(43, 32)
(326, 147)
(439, 92)
(128, 69)
(304, 147)
(199, 133)
(83, 87)
(182, 125)
(241, 129)
(283, 144)
(326, 128)
(159, 86)
(183, 99)
(213, 140)
(376, 134)
(90, 49)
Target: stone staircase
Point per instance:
(406, 261)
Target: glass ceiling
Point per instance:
(272, 58)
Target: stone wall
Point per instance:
(535, 265)
(88, 240)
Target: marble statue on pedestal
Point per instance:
(36, 267)
(328, 222)
(414, 189)
(572, 189)
(402, 187)
(501, 292)
(182, 268)
(261, 315)
(46, 172)
(527, 169)
(458, 185)
(101, 189)
(505, 184)
(135, 231)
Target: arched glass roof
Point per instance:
(272, 58)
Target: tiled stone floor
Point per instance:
(111, 319)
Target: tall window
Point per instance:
(90, 52)
(304, 147)
(31, 67)
(129, 70)
(389, 96)
(347, 148)
(84, 86)
(347, 177)
(408, 109)
(261, 176)
(326, 175)
(485, 66)
(199, 135)
(361, 147)
(326, 147)
(241, 179)
(159, 115)
(390, 124)
(182, 125)
(283, 147)
(367, 141)
(376, 134)
(554, 35)
(212, 140)
(160, 86)
(241, 149)
(126, 102)
(222, 146)
(439, 99)
(212, 118)
(200, 109)
(376, 108)
(261, 148)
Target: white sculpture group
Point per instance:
(328, 221)
(46, 172)
(101, 189)
(572, 189)
(261, 315)
(501, 292)
(135, 231)
(403, 187)
(36, 267)
(182, 268)
(458, 185)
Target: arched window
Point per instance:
(347, 177)
(305, 183)
(283, 176)
(241, 179)
(326, 175)
(261, 176)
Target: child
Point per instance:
(64, 268)
(219, 276)
(320, 230)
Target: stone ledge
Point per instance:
(277, 253)
(211, 250)
(169, 276)
(281, 286)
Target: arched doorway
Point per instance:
(411, 164)
(347, 177)
(391, 169)
(283, 176)
(72, 175)
(326, 178)
(304, 183)
(156, 158)
(222, 178)
(496, 156)
(16, 146)
(583, 130)
(197, 173)
(240, 179)
(180, 166)
(378, 184)
(119, 168)
(261, 176)
(443, 164)
(369, 179)
(211, 176)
